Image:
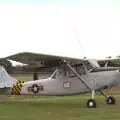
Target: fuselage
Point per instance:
(59, 84)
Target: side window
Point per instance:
(80, 69)
(88, 65)
(54, 76)
(71, 74)
(58, 73)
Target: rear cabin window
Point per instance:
(54, 76)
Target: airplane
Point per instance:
(109, 62)
(73, 77)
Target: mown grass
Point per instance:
(56, 108)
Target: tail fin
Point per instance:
(5, 79)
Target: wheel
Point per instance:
(91, 103)
(110, 100)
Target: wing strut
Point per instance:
(78, 76)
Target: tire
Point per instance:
(91, 103)
(110, 100)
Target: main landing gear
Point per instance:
(91, 103)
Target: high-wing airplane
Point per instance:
(109, 62)
(73, 77)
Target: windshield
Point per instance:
(90, 64)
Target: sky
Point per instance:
(72, 28)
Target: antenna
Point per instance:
(78, 41)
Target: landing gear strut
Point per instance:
(109, 99)
(91, 103)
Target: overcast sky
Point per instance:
(74, 28)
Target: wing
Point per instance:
(41, 60)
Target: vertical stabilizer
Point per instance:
(5, 79)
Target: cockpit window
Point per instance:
(88, 65)
(79, 69)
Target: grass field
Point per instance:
(56, 108)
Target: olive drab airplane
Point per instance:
(73, 77)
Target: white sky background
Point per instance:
(50, 29)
